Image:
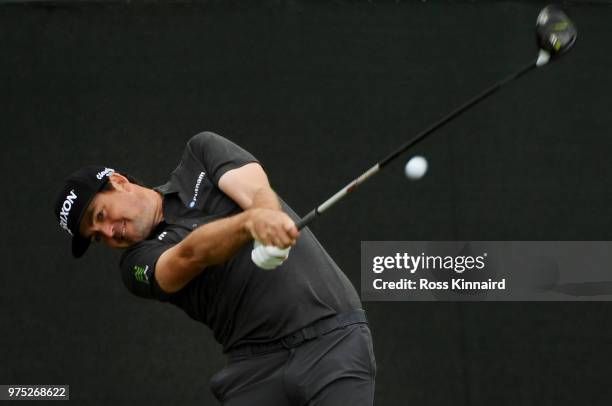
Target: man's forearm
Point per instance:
(216, 242)
(210, 244)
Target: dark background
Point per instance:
(318, 91)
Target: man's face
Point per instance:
(118, 217)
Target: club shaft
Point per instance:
(317, 211)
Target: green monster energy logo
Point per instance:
(140, 274)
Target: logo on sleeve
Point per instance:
(196, 190)
(142, 273)
(162, 235)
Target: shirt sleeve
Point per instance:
(217, 154)
(137, 266)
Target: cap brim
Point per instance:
(79, 245)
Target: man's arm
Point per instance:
(248, 186)
(218, 241)
(207, 245)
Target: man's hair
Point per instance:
(109, 186)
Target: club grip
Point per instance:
(304, 221)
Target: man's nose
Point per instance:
(107, 230)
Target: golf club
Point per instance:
(555, 35)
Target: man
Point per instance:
(295, 335)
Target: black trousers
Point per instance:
(335, 369)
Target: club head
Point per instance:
(555, 32)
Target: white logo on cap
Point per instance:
(66, 207)
(105, 172)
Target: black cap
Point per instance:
(72, 201)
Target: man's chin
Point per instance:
(134, 241)
(125, 244)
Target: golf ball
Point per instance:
(415, 168)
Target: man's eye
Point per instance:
(100, 216)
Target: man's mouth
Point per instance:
(122, 237)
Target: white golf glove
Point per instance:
(268, 256)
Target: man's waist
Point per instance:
(297, 338)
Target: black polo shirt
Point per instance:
(240, 302)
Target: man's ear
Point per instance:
(119, 182)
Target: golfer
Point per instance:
(294, 332)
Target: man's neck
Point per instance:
(158, 200)
(154, 205)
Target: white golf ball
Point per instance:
(416, 167)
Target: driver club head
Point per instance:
(555, 32)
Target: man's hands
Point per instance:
(272, 227)
(274, 233)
